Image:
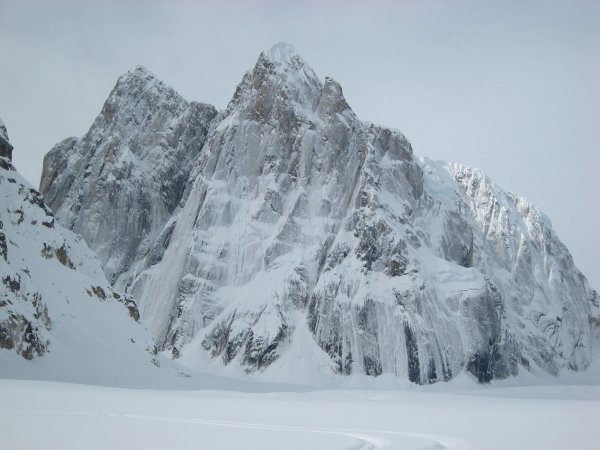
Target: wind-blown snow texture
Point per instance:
(55, 301)
(298, 219)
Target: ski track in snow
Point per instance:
(68, 416)
(367, 439)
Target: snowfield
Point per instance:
(461, 415)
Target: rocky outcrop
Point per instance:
(299, 219)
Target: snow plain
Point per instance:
(458, 415)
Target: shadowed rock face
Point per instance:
(299, 219)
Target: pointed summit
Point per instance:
(282, 52)
(284, 58)
(6, 147)
(140, 77)
(137, 95)
(142, 70)
(142, 144)
(279, 80)
(3, 133)
(143, 73)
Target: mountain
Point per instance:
(127, 174)
(303, 239)
(59, 316)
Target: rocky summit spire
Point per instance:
(5, 147)
(280, 80)
(129, 171)
(3, 133)
(282, 53)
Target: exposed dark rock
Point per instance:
(99, 292)
(3, 247)
(412, 350)
(60, 253)
(17, 333)
(5, 164)
(63, 257)
(14, 284)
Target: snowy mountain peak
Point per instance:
(6, 147)
(282, 52)
(142, 145)
(283, 59)
(281, 83)
(142, 70)
(140, 79)
(141, 73)
(139, 90)
(3, 132)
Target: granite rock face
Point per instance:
(120, 183)
(298, 219)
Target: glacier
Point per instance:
(286, 229)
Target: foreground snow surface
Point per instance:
(51, 415)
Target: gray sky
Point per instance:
(512, 87)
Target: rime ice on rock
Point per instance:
(304, 231)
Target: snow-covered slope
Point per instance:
(308, 238)
(56, 307)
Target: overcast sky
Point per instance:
(511, 87)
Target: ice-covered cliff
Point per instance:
(305, 234)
